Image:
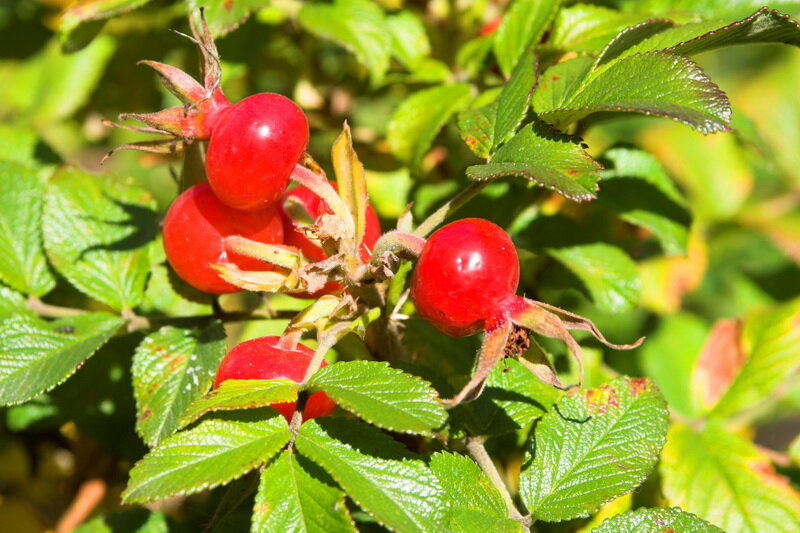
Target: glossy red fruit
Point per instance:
(194, 231)
(465, 274)
(255, 144)
(313, 205)
(262, 358)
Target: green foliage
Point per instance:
(656, 521)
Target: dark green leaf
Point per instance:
(377, 473)
(241, 394)
(382, 395)
(772, 341)
(631, 36)
(358, 25)
(35, 355)
(721, 477)
(290, 499)
(653, 83)
(609, 274)
(638, 188)
(83, 20)
(547, 158)
(96, 233)
(594, 447)
(224, 16)
(487, 127)
(171, 368)
(658, 520)
(522, 27)
(764, 26)
(219, 449)
(420, 117)
(22, 262)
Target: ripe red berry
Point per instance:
(255, 144)
(466, 273)
(262, 358)
(194, 231)
(314, 206)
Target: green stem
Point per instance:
(479, 454)
(51, 311)
(455, 203)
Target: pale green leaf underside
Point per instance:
(219, 449)
(241, 394)
(596, 446)
(35, 355)
(171, 368)
(96, 233)
(552, 160)
(376, 472)
(382, 395)
(722, 478)
(22, 262)
(290, 499)
(657, 520)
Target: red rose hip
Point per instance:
(255, 144)
(263, 358)
(465, 275)
(194, 231)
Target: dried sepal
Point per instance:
(258, 281)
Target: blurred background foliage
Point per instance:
(736, 251)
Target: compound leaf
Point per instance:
(376, 472)
(594, 447)
(217, 450)
(171, 368)
(36, 355)
(382, 395)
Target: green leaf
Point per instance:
(474, 504)
(722, 478)
(410, 44)
(358, 25)
(382, 395)
(419, 118)
(631, 36)
(588, 28)
(35, 355)
(547, 158)
(96, 232)
(224, 16)
(376, 472)
(81, 22)
(163, 298)
(513, 399)
(794, 450)
(608, 273)
(291, 499)
(219, 449)
(638, 188)
(669, 355)
(652, 83)
(764, 26)
(771, 341)
(522, 27)
(12, 303)
(171, 368)
(17, 143)
(241, 394)
(657, 520)
(22, 262)
(131, 520)
(594, 447)
(485, 128)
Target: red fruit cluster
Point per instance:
(466, 276)
(265, 358)
(253, 148)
